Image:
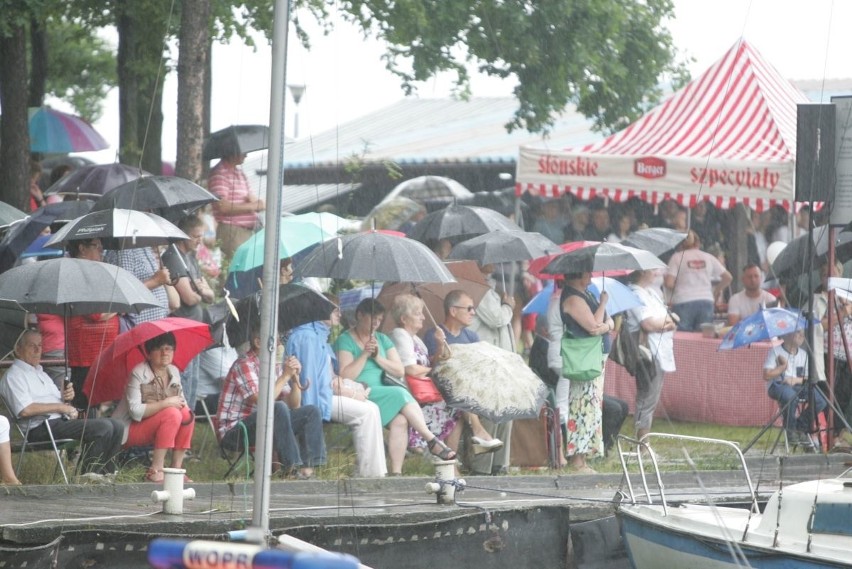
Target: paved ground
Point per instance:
(33, 513)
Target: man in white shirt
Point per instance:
(752, 298)
(32, 395)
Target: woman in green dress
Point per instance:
(364, 354)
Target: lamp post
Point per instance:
(296, 91)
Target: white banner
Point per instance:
(543, 171)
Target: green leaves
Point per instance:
(606, 56)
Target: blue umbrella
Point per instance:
(621, 297)
(37, 249)
(763, 325)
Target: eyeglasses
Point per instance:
(468, 308)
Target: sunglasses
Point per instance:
(468, 308)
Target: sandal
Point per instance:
(154, 475)
(443, 451)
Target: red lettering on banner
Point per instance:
(649, 167)
(745, 177)
(577, 166)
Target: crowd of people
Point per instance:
(328, 375)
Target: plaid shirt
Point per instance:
(142, 262)
(240, 384)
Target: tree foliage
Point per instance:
(608, 57)
(80, 67)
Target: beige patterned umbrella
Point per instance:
(492, 382)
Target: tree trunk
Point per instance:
(208, 98)
(192, 68)
(38, 61)
(141, 67)
(14, 132)
(128, 92)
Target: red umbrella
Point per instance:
(537, 265)
(108, 376)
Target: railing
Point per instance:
(643, 452)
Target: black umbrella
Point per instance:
(22, 234)
(236, 139)
(94, 181)
(795, 260)
(373, 255)
(248, 316)
(603, 257)
(504, 247)
(299, 304)
(74, 286)
(157, 193)
(13, 321)
(119, 229)
(460, 221)
(9, 214)
(657, 240)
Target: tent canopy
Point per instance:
(729, 136)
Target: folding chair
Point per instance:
(58, 446)
(233, 457)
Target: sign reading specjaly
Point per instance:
(841, 213)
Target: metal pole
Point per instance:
(269, 297)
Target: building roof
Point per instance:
(416, 130)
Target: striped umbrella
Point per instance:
(55, 132)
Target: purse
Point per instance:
(393, 381)
(423, 389)
(582, 358)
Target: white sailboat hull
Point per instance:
(804, 525)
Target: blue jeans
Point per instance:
(189, 381)
(788, 396)
(296, 435)
(693, 314)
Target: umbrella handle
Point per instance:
(446, 351)
(230, 305)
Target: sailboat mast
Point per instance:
(269, 296)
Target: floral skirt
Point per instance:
(585, 415)
(440, 419)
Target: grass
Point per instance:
(207, 465)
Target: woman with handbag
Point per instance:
(370, 357)
(585, 321)
(654, 320)
(154, 410)
(407, 312)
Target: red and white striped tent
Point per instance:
(728, 137)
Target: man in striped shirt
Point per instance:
(238, 207)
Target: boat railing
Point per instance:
(642, 451)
